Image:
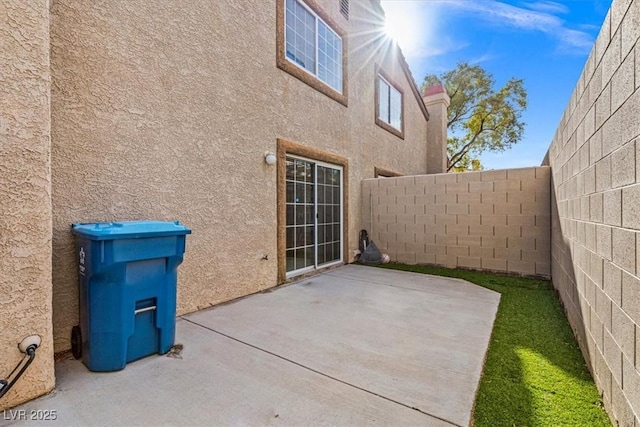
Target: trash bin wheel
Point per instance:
(76, 342)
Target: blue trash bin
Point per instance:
(128, 277)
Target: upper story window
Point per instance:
(390, 101)
(311, 47)
(389, 106)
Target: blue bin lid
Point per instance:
(128, 229)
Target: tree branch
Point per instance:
(465, 148)
(460, 154)
(455, 92)
(481, 117)
(459, 115)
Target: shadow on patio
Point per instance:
(351, 346)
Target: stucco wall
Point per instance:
(164, 110)
(437, 101)
(595, 159)
(25, 202)
(492, 220)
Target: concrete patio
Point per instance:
(352, 346)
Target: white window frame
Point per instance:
(387, 119)
(315, 71)
(316, 266)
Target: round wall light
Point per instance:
(270, 158)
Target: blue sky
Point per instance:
(545, 43)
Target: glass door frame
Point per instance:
(340, 260)
(286, 148)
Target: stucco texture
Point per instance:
(25, 199)
(595, 251)
(162, 110)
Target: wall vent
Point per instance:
(344, 8)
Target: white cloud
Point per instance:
(575, 38)
(482, 58)
(434, 48)
(547, 7)
(590, 27)
(424, 32)
(540, 16)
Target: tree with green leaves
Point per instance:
(479, 118)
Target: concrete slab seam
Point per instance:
(321, 373)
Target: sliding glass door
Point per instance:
(314, 215)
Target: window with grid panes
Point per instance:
(313, 215)
(312, 45)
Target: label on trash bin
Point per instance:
(81, 255)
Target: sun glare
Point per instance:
(402, 26)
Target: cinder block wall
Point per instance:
(492, 220)
(596, 211)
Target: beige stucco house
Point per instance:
(176, 111)
(116, 110)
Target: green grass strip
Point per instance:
(534, 373)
